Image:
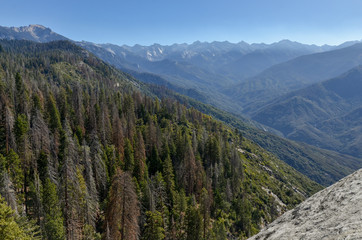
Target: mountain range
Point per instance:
(84, 145)
(295, 74)
(326, 114)
(192, 69)
(85, 123)
(207, 68)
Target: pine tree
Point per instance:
(21, 96)
(128, 156)
(21, 128)
(193, 223)
(9, 228)
(54, 116)
(153, 227)
(13, 166)
(123, 208)
(188, 168)
(54, 228)
(139, 158)
(91, 196)
(169, 176)
(205, 212)
(6, 185)
(154, 161)
(218, 230)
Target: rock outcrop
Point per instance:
(333, 213)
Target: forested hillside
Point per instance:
(87, 152)
(326, 114)
(321, 165)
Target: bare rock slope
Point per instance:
(333, 213)
(34, 32)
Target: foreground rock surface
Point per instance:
(333, 213)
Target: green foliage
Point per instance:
(111, 160)
(53, 226)
(18, 82)
(90, 234)
(54, 116)
(311, 161)
(154, 161)
(153, 228)
(194, 177)
(21, 128)
(3, 163)
(243, 209)
(29, 227)
(169, 176)
(128, 156)
(9, 228)
(13, 165)
(218, 231)
(43, 166)
(193, 223)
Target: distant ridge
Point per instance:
(295, 74)
(327, 114)
(34, 32)
(195, 73)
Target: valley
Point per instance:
(200, 141)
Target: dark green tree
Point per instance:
(53, 113)
(153, 228)
(218, 230)
(193, 223)
(20, 129)
(169, 176)
(54, 228)
(154, 161)
(128, 156)
(13, 165)
(140, 167)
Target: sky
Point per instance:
(174, 21)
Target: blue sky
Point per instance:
(174, 21)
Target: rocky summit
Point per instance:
(33, 32)
(333, 213)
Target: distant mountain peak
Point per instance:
(30, 29)
(33, 32)
(34, 26)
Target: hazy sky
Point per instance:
(175, 21)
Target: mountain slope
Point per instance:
(36, 33)
(205, 67)
(320, 165)
(333, 213)
(261, 58)
(295, 74)
(180, 76)
(80, 140)
(290, 152)
(326, 114)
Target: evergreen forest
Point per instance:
(89, 152)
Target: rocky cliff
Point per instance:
(333, 213)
